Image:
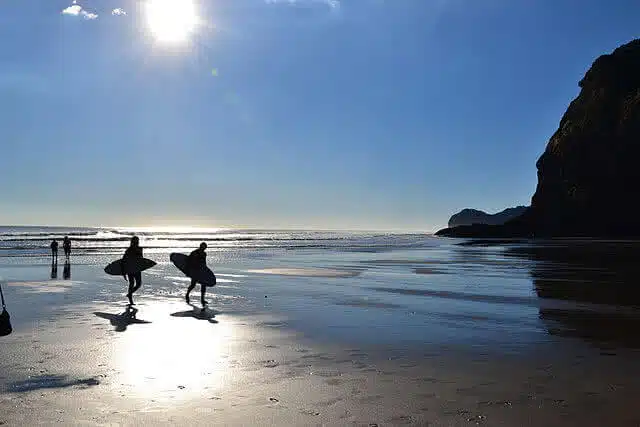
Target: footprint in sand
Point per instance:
(369, 399)
(478, 419)
(402, 419)
(331, 401)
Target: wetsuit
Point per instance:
(133, 252)
(66, 245)
(196, 259)
(54, 250)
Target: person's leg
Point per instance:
(203, 290)
(191, 286)
(138, 280)
(130, 292)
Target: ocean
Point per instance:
(366, 287)
(31, 241)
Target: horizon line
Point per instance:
(176, 228)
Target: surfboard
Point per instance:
(136, 265)
(202, 275)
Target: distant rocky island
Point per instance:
(474, 216)
(588, 179)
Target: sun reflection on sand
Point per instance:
(174, 356)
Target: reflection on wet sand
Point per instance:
(66, 271)
(600, 277)
(54, 270)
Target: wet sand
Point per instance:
(284, 344)
(171, 363)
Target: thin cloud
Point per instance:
(89, 15)
(118, 12)
(333, 4)
(76, 10)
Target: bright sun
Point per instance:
(171, 21)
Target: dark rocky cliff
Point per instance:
(588, 180)
(474, 216)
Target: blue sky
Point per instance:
(352, 114)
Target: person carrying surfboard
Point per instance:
(133, 251)
(196, 259)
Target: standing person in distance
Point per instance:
(66, 245)
(54, 251)
(134, 251)
(196, 259)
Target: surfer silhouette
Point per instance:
(54, 250)
(66, 245)
(133, 251)
(197, 258)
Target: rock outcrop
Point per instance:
(474, 216)
(588, 179)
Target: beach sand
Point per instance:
(185, 367)
(80, 356)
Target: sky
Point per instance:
(325, 114)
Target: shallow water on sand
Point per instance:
(486, 296)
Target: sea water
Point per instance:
(355, 287)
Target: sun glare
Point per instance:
(171, 21)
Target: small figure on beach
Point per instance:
(54, 250)
(66, 245)
(134, 251)
(197, 259)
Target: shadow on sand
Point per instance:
(198, 313)
(122, 320)
(50, 381)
